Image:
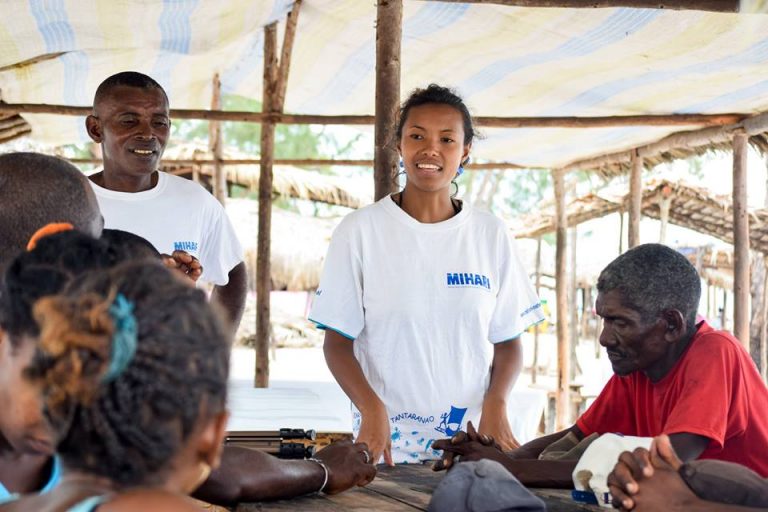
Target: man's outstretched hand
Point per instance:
(349, 464)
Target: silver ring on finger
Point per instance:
(367, 457)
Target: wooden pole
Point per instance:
(764, 326)
(635, 200)
(389, 33)
(713, 120)
(273, 97)
(621, 232)
(573, 320)
(676, 5)
(307, 162)
(263, 282)
(214, 127)
(740, 241)
(664, 205)
(535, 366)
(562, 406)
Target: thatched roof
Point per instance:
(691, 207)
(13, 126)
(622, 165)
(714, 264)
(288, 181)
(299, 244)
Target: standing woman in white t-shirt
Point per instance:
(423, 298)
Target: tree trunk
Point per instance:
(758, 309)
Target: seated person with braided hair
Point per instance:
(114, 349)
(25, 447)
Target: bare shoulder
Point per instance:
(150, 500)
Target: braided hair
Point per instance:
(129, 427)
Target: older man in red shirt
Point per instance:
(672, 376)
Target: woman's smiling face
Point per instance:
(432, 146)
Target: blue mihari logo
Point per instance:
(465, 279)
(185, 246)
(450, 422)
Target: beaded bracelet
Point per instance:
(325, 469)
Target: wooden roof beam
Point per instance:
(753, 125)
(674, 5)
(485, 121)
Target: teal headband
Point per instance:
(124, 338)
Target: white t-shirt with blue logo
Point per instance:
(176, 214)
(424, 303)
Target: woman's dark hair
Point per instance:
(436, 95)
(56, 260)
(129, 246)
(128, 426)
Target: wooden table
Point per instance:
(402, 488)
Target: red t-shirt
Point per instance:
(714, 390)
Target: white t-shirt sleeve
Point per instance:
(338, 303)
(517, 306)
(221, 250)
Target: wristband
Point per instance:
(325, 469)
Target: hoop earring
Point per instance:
(456, 188)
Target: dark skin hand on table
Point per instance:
(649, 480)
(249, 475)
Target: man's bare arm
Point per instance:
(231, 296)
(250, 475)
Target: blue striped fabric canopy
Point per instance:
(505, 61)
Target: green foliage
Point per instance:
(291, 141)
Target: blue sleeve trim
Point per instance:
(537, 322)
(325, 327)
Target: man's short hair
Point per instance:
(653, 278)
(126, 79)
(36, 190)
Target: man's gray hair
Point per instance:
(653, 278)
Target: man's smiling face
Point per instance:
(132, 125)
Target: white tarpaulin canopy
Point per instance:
(505, 61)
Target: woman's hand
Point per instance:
(374, 432)
(494, 423)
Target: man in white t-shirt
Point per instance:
(130, 121)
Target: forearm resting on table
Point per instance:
(532, 449)
(250, 475)
(542, 473)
